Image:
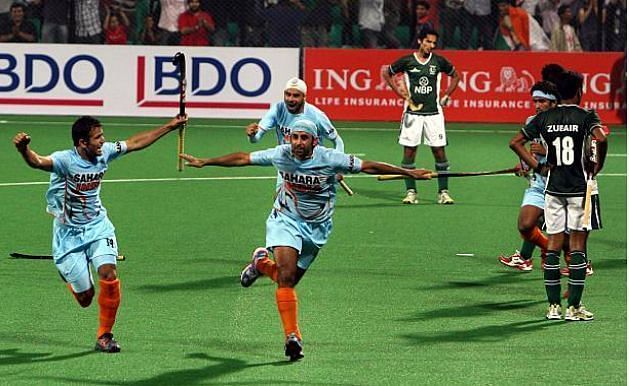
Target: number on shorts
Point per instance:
(110, 243)
(564, 147)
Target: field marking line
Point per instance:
(228, 178)
(394, 127)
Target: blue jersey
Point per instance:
(537, 181)
(307, 192)
(73, 195)
(278, 118)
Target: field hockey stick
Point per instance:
(346, 188)
(587, 201)
(390, 177)
(180, 61)
(17, 255)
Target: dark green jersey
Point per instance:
(564, 131)
(423, 80)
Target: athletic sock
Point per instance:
(267, 267)
(552, 277)
(409, 182)
(527, 250)
(286, 299)
(537, 237)
(576, 281)
(108, 301)
(442, 167)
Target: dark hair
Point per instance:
(562, 9)
(547, 88)
(17, 5)
(423, 3)
(82, 127)
(552, 72)
(427, 31)
(570, 84)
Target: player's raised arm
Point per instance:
(146, 138)
(374, 167)
(229, 160)
(32, 159)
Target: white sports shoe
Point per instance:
(411, 197)
(516, 261)
(554, 312)
(444, 198)
(250, 274)
(579, 314)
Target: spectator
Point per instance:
(614, 20)
(284, 23)
(195, 25)
(452, 16)
(547, 9)
(391, 10)
(513, 26)
(5, 6)
(370, 21)
(17, 29)
(317, 24)
(589, 26)
(422, 22)
(116, 25)
(477, 14)
(170, 11)
(251, 24)
(349, 13)
(55, 26)
(88, 28)
(564, 37)
(149, 34)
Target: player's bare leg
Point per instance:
(108, 301)
(442, 165)
(408, 162)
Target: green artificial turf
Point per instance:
(388, 301)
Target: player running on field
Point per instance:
(82, 233)
(301, 219)
(422, 120)
(566, 131)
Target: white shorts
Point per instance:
(427, 129)
(564, 214)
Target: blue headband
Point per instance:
(543, 95)
(304, 125)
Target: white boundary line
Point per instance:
(392, 126)
(237, 178)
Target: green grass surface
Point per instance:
(388, 301)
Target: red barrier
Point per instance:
(495, 85)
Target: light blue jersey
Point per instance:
(73, 196)
(278, 118)
(308, 190)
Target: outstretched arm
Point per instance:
(32, 159)
(374, 167)
(229, 160)
(144, 139)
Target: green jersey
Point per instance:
(564, 130)
(422, 80)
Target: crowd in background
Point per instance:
(538, 25)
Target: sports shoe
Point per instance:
(554, 312)
(107, 343)
(293, 348)
(589, 271)
(516, 261)
(443, 197)
(579, 314)
(411, 197)
(250, 274)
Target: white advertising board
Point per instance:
(222, 82)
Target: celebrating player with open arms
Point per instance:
(82, 232)
(301, 219)
(423, 120)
